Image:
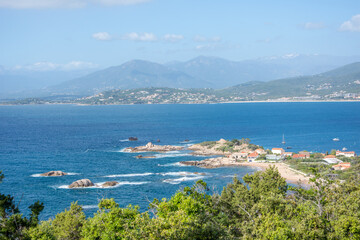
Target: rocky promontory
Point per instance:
(82, 183)
(150, 147)
(221, 147)
(53, 174)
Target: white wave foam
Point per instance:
(171, 154)
(124, 140)
(183, 179)
(180, 174)
(177, 164)
(99, 185)
(129, 175)
(89, 206)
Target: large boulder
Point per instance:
(53, 174)
(110, 184)
(222, 141)
(82, 184)
(149, 145)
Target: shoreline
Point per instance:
(125, 104)
(291, 175)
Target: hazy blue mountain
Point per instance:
(223, 73)
(132, 74)
(200, 72)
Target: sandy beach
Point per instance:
(291, 175)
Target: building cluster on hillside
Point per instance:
(278, 154)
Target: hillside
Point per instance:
(343, 82)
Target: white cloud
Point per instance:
(353, 25)
(144, 37)
(50, 66)
(314, 25)
(173, 37)
(199, 38)
(28, 4)
(102, 36)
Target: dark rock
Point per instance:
(53, 174)
(110, 184)
(133, 138)
(81, 184)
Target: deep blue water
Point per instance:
(87, 140)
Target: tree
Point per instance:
(13, 224)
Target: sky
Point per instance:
(75, 34)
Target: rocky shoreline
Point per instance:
(150, 147)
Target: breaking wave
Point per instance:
(182, 179)
(39, 175)
(129, 175)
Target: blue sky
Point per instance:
(87, 33)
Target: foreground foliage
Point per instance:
(261, 206)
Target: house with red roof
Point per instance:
(342, 166)
(299, 156)
(252, 156)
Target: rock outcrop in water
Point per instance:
(83, 183)
(211, 162)
(110, 184)
(150, 147)
(133, 138)
(53, 174)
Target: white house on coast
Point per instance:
(345, 154)
(279, 151)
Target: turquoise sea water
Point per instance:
(87, 141)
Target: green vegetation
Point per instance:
(259, 207)
(13, 224)
(208, 144)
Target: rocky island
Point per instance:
(150, 147)
(82, 183)
(53, 174)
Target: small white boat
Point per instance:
(283, 140)
(344, 149)
(336, 139)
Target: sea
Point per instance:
(88, 142)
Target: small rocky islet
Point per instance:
(53, 174)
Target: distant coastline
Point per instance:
(125, 104)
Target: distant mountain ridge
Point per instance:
(339, 84)
(200, 72)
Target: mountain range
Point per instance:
(339, 84)
(200, 72)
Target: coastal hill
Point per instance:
(343, 82)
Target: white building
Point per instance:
(279, 151)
